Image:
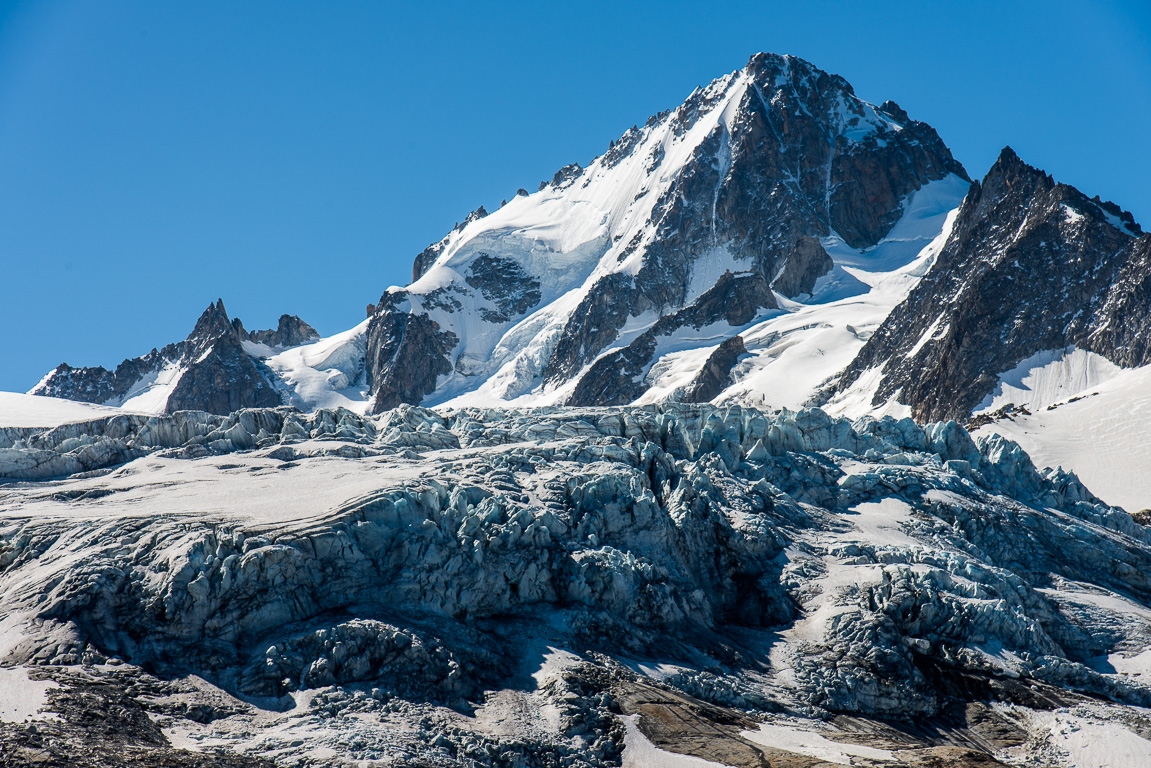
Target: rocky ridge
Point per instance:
(210, 370)
(1031, 265)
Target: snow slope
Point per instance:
(20, 696)
(1048, 377)
(20, 410)
(795, 352)
(150, 394)
(328, 373)
(1098, 431)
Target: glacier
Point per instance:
(626, 475)
(509, 587)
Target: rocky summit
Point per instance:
(708, 219)
(766, 438)
(1030, 266)
(216, 369)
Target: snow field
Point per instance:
(20, 410)
(21, 697)
(1101, 436)
(805, 742)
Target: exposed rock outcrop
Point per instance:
(406, 353)
(505, 284)
(1031, 265)
(291, 331)
(715, 376)
(208, 371)
(1120, 329)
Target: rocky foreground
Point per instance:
(562, 587)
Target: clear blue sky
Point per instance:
(294, 157)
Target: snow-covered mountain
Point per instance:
(773, 241)
(761, 195)
(1031, 266)
(270, 548)
(765, 225)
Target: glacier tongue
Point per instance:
(390, 587)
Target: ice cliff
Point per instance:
(409, 568)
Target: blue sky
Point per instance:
(294, 157)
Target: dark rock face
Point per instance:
(290, 332)
(869, 178)
(216, 374)
(98, 384)
(893, 109)
(617, 378)
(734, 298)
(595, 324)
(1029, 267)
(219, 376)
(213, 324)
(406, 353)
(504, 283)
(426, 258)
(1121, 328)
(808, 262)
(566, 175)
(715, 376)
(224, 379)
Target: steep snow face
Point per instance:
(710, 215)
(328, 373)
(1092, 419)
(1048, 377)
(793, 354)
(150, 393)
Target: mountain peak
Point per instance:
(786, 65)
(891, 108)
(213, 324)
(746, 176)
(291, 331)
(1010, 164)
(1026, 267)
